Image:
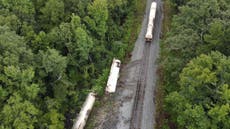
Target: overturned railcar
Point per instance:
(85, 111)
(113, 76)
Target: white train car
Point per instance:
(113, 76)
(85, 111)
(152, 15)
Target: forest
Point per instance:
(195, 58)
(53, 52)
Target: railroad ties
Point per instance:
(136, 117)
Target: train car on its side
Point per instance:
(152, 14)
(113, 76)
(85, 111)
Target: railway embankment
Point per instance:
(115, 111)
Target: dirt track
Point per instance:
(137, 82)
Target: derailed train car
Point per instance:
(90, 100)
(152, 15)
(113, 76)
(85, 111)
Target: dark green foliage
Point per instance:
(217, 37)
(53, 52)
(194, 93)
(52, 62)
(98, 16)
(195, 30)
(202, 98)
(101, 83)
(23, 9)
(18, 92)
(13, 49)
(52, 14)
(179, 2)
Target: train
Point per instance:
(113, 76)
(152, 15)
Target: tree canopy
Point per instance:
(202, 99)
(53, 52)
(195, 62)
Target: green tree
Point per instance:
(51, 57)
(196, 15)
(18, 113)
(39, 42)
(98, 16)
(18, 92)
(13, 49)
(201, 93)
(180, 47)
(52, 14)
(11, 21)
(218, 36)
(53, 63)
(83, 44)
(76, 6)
(180, 2)
(53, 120)
(24, 9)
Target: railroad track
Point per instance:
(136, 118)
